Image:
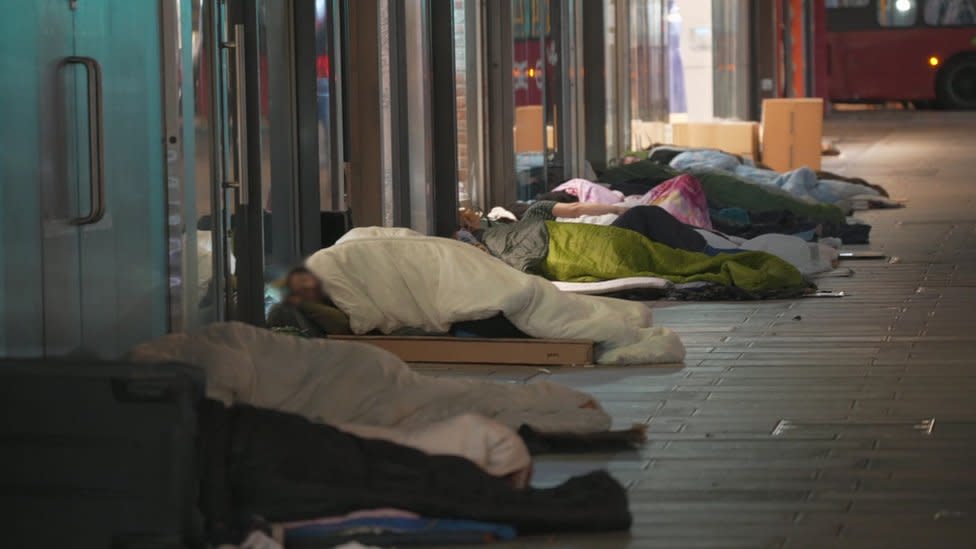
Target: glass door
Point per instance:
(275, 123)
(328, 64)
(276, 135)
(124, 255)
(203, 126)
(469, 101)
(41, 191)
(536, 86)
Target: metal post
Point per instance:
(444, 134)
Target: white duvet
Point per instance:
(386, 279)
(810, 258)
(367, 391)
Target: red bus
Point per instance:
(902, 50)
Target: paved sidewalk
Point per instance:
(816, 422)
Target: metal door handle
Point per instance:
(240, 104)
(96, 154)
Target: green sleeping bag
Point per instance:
(646, 170)
(726, 190)
(580, 252)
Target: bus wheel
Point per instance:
(956, 85)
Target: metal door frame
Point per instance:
(500, 104)
(172, 21)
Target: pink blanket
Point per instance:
(588, 191)
(683, 198)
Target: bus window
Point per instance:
(939, 13)
(897, 13)
(831, 4)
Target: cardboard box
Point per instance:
(735, 137)
(469, 350)
(529, 123)
(644, 134)
(792, 133)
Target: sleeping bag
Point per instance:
(386, 279)
(581, 253)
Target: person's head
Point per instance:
(469, 218)
(303, 286)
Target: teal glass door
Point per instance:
(123, 256)
(82, 228)
(39, 189)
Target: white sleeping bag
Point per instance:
(386, 279)
(367, 391)
(809, 258)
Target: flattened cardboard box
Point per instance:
(470, 350)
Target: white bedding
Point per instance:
(365, 390)
(809, 258)
(614, 285)
(386, 279)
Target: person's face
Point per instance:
(469, 218)
(304, 287)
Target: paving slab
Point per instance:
(778, 432)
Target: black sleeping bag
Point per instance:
(282, 467)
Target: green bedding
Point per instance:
(646, 170)
(584, 253)
(726, 190)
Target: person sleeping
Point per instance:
(389, 279)
(308, 310)
(652, 222)
(642, 241)
(366, 391)
(660, 225)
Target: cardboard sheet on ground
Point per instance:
(476, 350)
